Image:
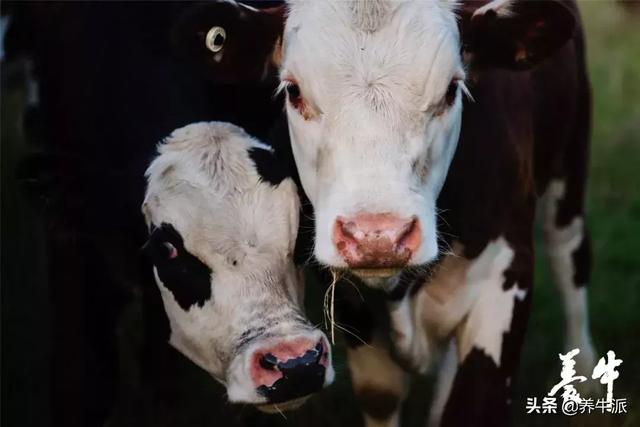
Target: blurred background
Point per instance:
(79, 346)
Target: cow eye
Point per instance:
(293, 92)
(452, 91)
(297, 101)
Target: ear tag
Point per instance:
(215, 39)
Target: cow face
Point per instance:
(374, 102)
(374, 109)
(221, 244)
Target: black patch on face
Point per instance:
(379, 404)
(268, 166)
(275, 165)
(188, 278)
(300, 377)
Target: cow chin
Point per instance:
(284, 406)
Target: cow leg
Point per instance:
(379, 383)
(569, 250)
(489, 339)
(446, 375)
(562, 210)
(566, 235)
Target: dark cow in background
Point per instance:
(107, 85)
(380, 95)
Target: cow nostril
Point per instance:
(348, 228)
(269, 362)
(409, 234)
(319, 348)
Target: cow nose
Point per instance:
(290, 370)
(376, 240)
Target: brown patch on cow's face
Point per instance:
(377, 403)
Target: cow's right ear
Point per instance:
(514, 34)
(230, 42)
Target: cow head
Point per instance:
(221, 245)
(374, 102)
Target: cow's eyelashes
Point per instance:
(448, 99)
(452, 92)
(293, 92)
(294, 96)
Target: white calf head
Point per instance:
(221, 244)
(374, 106)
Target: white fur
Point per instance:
(492, 311)
(561, 243)
(461, 293)
(205, 185)
(372, 92)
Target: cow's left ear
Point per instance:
(230, 42)
(514, 34)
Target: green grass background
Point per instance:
(613, 215)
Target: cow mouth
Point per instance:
(375, 273)
(290, 405)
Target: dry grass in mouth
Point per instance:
(329, 304)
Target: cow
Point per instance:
(222, 243)
(426, 135)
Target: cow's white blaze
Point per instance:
(375, 136)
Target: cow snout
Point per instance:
(376, 240)
(290, 370)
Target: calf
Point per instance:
(222, 242)
(424, 193)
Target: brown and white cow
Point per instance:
(222, 241)
(425, 133)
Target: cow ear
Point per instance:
(230, 42)
(514, 34)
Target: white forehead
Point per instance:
(409, 48)
(205, 184)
